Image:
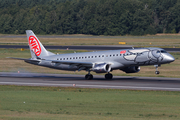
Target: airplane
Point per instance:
(127, 60)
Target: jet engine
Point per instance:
(131, 69)
(101, 68)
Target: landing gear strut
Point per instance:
(108, 76)
(89, 76)
(156, 72)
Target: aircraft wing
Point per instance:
(81, 65)
(86, 64)
(71, 62)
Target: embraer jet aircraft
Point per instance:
(128, 60)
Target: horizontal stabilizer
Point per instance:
(27, 60)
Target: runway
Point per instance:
(66, 80)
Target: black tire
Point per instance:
(89, 77)
(108, 76)
(157, 72)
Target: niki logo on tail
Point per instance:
(34, 45)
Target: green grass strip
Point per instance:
(26, 103)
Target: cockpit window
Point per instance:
(158, 51)
(163, 51)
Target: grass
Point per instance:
(139, 41)
(24, 102)
(11, 65)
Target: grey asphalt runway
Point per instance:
(66, 80)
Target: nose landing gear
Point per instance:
(157, 72)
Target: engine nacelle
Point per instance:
(101, 68)
(131, 69)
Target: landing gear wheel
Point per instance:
(157, 72)
(108, 76)
(89, 77)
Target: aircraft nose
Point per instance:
(170, 58)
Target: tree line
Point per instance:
(96, 17)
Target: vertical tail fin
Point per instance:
(36, 48)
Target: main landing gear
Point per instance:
(156, 72)
(89, 76)
(108, 76)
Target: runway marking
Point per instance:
(91, 86)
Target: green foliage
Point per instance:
(173, 31)
(96, 17)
